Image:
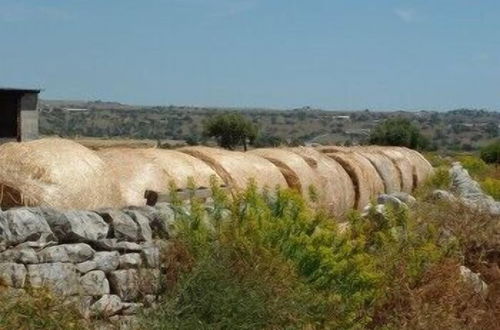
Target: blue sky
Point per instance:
(350, 54)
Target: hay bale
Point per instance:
(297, 172)
(385, 167)
(237, 169)
(181, 168)
(55, 173)
(402, 163)
(367, 182)
(336, 185)
(422, 169)
(135, 174)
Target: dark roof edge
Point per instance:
(19, 90)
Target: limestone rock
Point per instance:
(112, 244)
(61, 277)
(404, 197)
(86, 266)
(21, 225)
(107, 261)
(78, 226)
(130, 260)
(145, 233)
(107, 306)
(45, 240)
(94, 283)
(125, 283)
(19, 255)
(122, 225)
(390, 200)
(73, 253)
(151, 255)
(443, 195)
(12, 274)
(473, 279)
(163, 221)
(470, 191)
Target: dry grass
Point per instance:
(98, 143)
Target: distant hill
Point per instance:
(458, 129)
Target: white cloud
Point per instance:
(19, 12)
(407, 15)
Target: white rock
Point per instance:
(112, 244)
(74, 253)
(130, 260)
(473, 279)
(86, 266)
(125, 283)
(19, 255)
(122, 225)
(151, 256)
(21, 225)
(145, 233)
(61, 277)
(78, 226)
(107, 261)
(107, 306)
(94, 283)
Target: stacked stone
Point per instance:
(107, 261)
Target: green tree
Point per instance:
(491, 153)
(492, 129)
(398, 131)
(230, 130)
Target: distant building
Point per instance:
(18, 114)
(75, 109)
(342, 117)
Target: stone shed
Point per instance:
(18, 114)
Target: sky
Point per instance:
(330, 54)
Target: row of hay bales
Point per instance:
(65, 175)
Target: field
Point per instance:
(453, 130)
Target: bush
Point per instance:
(399, 131)
(272, 263)
(37, 309)
(491, 153)
(474, 165)
(491, 187)
(268, 261)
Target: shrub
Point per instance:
(271, 263)
(491, 153)
(37, 309)
(474, 165)
(266, 260)
(399, 131)
(491, 187)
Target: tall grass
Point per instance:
(266, 260)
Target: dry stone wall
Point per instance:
(108, 261)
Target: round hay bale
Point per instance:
(297, 172)
(336, 185)
(238, 169)
(385, 167)
(402, 163)
(422, 168)
(366, 180)
(181, 168)
(135, 174)
(56, 173)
